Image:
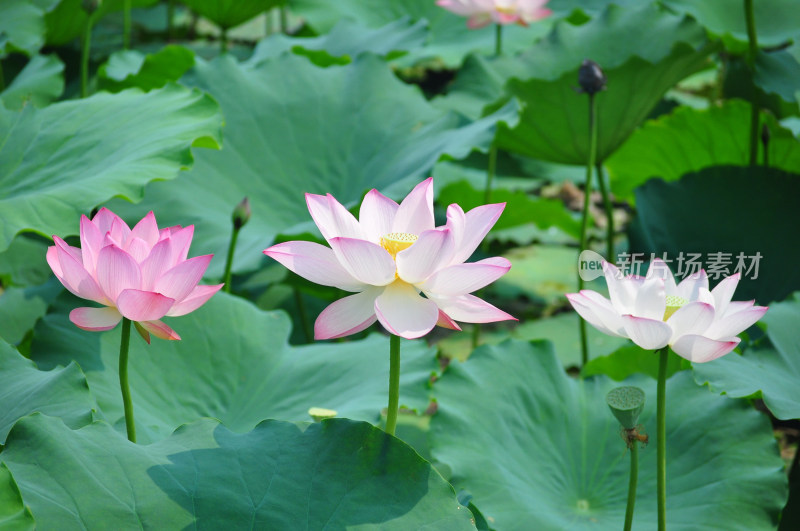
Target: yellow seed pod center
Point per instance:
(673, 304)
(394, 242)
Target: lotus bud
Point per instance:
(591, 77)
(241, 214)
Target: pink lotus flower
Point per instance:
(392, 256)
(653, 311)
(483, 12)
(141, 274)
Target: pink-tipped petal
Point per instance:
(723, 292)
(314, 262)
(446, 322)
(104, 219)
(700, 349)
(332, 219)
(470, 309)
(735, 323)
(138, 305)
(469, 229)
(365, 261)
(179, 281)
(659, 269)
(348, 315)
(403, 312)
(95, 319)
(690, 287)
(621, 290)
(461, 279)
(198, 297)
(160, 260)
(181, 241)
(117, 271)
(75, 278)
(651, 301)
(376, 215)
(119, 232)
(736, 306)
(594, 315)
(650, 334)
(430, 252)
(415, 214)
(691, 319)
(147, 230)
(91, 243)
(160, 330)
(604, 310)
(52, 261)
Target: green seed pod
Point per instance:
(626, 403)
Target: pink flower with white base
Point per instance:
(141, 274)
(502, 12)
(406, 273)
(654, 312)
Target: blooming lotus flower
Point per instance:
(392, 256)
(653, 311)
(483, 12)
(141, 274)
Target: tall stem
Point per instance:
(301, 309)
(87, 45)
(229, 260)
(752, 41)
(661, 433)
(498, 40)
(394, 384)
(585, 217)
(123, 379)
(632, 485)
(170, 17)
(609, 213)
(126, 24)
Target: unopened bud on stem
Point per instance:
(241, 214)
(591, 77)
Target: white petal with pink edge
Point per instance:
(469, 229)
(198, 297)
(700, 349)
(179, 281)
(348, 315)
(690, 287)
(735, 323)
(415, 214)
(446, 322)
(160, 330)
(95, 319)
(376, 215)
(659, 269)
(461, 279)
(404, 312)
(723, 292)
(116, 271)
(692, 318)
(592, 314)
(650, 334)
(367, 262)
(651, 299)
(604, 310)
(429, 253)
(332, 219)
(621, 290)
(470, 309)
(314, 262)
(138, 305)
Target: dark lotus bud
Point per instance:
(241, 214)
(765, 134)
(90, 6)
(591, 77)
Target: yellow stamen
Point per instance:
(674, 303)
(395, 242)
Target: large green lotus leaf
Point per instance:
(24, 263)
(20, 308)
(130, 68)
(68, 20)
(631, 359)
(659, 49)
(771, 370)
(689, 140)
(449, 41)
(14, 516)
(345, 41)
(776, 20)
(230, 13)
(233, 364)
(562, 464)
(778, 71)
(292, 127)
(332, 475)
(39, 83)
(59, 162)
(730, 210)
(25, 389)
(21, 26)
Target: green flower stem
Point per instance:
(661, 443)
(170, 18)
(123, 379)
(585, 217)
(394, 384)
(229, 260)
(476, 335)
(87, 45)
(304, 322)
(632, 485)
(609, 213)
(126, 24)
(752, 41)
(498, 40)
